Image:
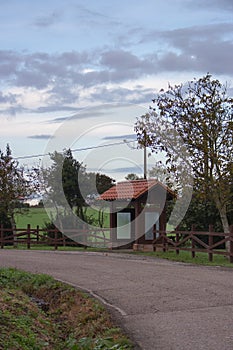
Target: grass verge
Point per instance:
(38, 312)
(185, 257)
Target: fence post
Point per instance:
(63, 240)
(28, 236)
(231, 244)
(210, 242)
(193, 242)
(55, 239)
(15, 236)
(37, 233)
(2, 236)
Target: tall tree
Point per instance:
(13, 185)
(201, 114)
(63, 177)
(67, 175)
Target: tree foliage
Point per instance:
(76, 183)
(13, 186)
(132, 176)
(201, 114)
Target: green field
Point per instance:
(38, 216)
(33, 216)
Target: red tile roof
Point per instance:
(130, 189)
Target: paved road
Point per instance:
(163, 305)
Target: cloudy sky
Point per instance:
(101, 62)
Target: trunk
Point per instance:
(223, 215)
(13, 225)
(225, 224)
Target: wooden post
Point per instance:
(2, 236)
(164, 241)
(37, 233)
(210, 241)
(231, 244)
(193, 243)
(28, 236)
(55, 239)
(15, 237)
(63, 240)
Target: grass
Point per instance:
(185, 257)
(33, 216)
(38, 216)
(38, 312)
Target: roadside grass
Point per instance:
(201, 258)
(38, 312)
(22, 246)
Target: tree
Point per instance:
(132, 176)
(201, 114)
(65, 168)
(13, 186)
(67, 175)
(98, 183)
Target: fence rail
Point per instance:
(52, 237)
(191, 241)
(99, 237)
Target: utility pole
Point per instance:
(145, 156)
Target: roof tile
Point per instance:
(129, 189)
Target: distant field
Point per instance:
(38, 216)
(34, 217)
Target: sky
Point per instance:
(77, 74)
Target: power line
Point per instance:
(73, 150)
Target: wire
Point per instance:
(73, 150)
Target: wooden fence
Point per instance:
(99, 237)
(191, 241)
(52, 237)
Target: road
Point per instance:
(163, 305)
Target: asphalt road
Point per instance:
(162, 305)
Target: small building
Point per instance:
(137, 211)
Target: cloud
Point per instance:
(211, 4)
(8, 98)
(41, 137)
(48, 20)
(62, 81)
(54, 71)
(191, 48)
(125, 65)
(13, 110)
(83, 113)
(93, 17)
(121, 137)
(125, 170)
(202, 49)
(56, 108)
(137, 94)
